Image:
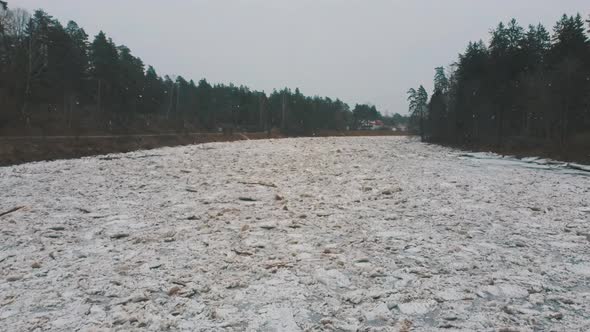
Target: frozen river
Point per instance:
(326, 234)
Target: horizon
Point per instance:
(372, 62)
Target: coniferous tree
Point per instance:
(153, 98)
(441, 82)
(418, 100)
(530, 88)
(130, 80)
(77, 68)
(104, 68)
(14, 61)
(45, 66)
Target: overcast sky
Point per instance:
(368, 51)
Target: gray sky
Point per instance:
(367, 51)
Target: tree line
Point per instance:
(53, 75)
(526, 87)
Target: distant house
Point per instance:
(378, 125)
(401, 128)
(372, 125)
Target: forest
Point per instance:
(527, 88)
(55, 79)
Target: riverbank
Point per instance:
(22, 149)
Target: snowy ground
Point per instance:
(344, 234)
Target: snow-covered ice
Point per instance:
(316, 234)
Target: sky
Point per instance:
(361, 51)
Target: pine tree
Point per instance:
(130, 79)
(104, 69)
(44, 65)
(418, 106)
(205, 113)
(37, 53)
(525, 84)
(153, 98)
(536, 46)
(441, 82)
(569, 53)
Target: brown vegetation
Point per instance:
(21, 149)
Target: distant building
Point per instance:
(400, 128)
(372, 125)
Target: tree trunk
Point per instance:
(564, 123)
(24, 108)
(500, 126)
(28, 84)
(422, 128)
(99, 99)
(171, 101)
(65, 107)
(71, 110)
(261, 113)
(284, 113)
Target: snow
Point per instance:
(374, 233)
(531, 162)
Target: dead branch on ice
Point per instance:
(265, 184)
(11, 210)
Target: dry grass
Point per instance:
(22, 150)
